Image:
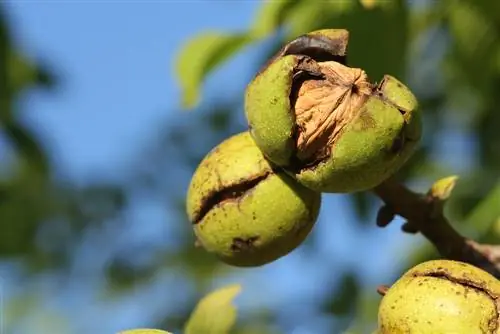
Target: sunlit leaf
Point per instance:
(215, 313)
(200, 56)
(368, 4)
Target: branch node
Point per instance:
(385, 216)
(424, 214)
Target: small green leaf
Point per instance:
(201, 55)
(215, 313)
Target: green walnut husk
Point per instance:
(441, 297)
(324, 122)
(244, 210)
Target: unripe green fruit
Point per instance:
(324, 122)
(144, 331)
(246, 211)
(441, 297)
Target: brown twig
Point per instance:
(424, 214)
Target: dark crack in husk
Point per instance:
(479, 287)
(233, 192)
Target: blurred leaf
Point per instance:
(27, 146)
(339, 7)
(362, 205)
(385, 51)
(19, 226)
(5, 93)
(474, 38)
(371, 4)
(100, 201)
(426, 18)
(345, 296)
(378, 36)
(472, 34)
(486, 212)
(366, 312)
(304, 17)
(219, 120)
(215, 313)
(121, 276)
(23, 73)
(271, 15)
(200, 56)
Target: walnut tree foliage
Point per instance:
(448, 53)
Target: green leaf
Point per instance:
(425, 18)
(271, 15)
(23, 73)
(305, 17)
(27, 146)
(215, 313)
(486, 212)
(471, 32)
(201, 55)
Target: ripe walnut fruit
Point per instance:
(325, 123)
(441, 297)
(245, 210)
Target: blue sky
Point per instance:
(115, 61)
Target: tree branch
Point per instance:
(424, 214)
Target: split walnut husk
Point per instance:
(324, 122)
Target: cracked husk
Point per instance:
(324, 106)
(441, 297)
